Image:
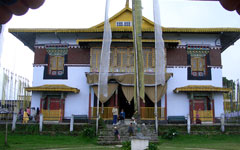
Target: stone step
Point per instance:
(117, 142)
(106, 135)
(124, 138)
(126, 132)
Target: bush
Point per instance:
(101, 123)
(170, 134)
(126, 145)
(88, 132)
(152, 146)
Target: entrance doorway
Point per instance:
(123, 104)
(52, 108)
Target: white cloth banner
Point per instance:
(105, 55)
(1, 42)
(159, 46)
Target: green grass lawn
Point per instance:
(201, 142)
(65, 142)
(42, 142)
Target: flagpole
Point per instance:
(139, 70)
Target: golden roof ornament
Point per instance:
(127, 4)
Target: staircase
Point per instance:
(106, 135)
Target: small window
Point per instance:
(55, 68)
(198, 66)
(56, 65)
(119, 24)
(127, 24)
(124, 23)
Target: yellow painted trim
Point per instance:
(126, 29)
(53, 88)
(126, 40)
(118, 14)
(201, 88)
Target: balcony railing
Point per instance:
(107, 113)
(51, 115)
(147, 113)
(203, 115)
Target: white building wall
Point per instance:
(178, 103)
(74, 103)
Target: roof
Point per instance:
(28, 35)
(126, 29)
(201, 88)
(53, 88)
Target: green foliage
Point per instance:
(101, 123)
(152, 146)
(88, 132)
(170, 134)
(126, 145)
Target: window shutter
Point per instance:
(153, 58)
(119, 59)
(111, 58)
(53, 62)
(60, 63)
(194, 63)
(150, 60)
(201, 64)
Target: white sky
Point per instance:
(87, 13)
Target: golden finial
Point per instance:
(127, 3)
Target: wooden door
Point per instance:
(199, 105)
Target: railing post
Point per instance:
(222, 123)
(188, 124)
(41, 122)
(14, 121)
(71, 123)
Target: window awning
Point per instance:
(201, 88)
(53, 88)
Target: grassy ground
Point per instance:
(201, 142)
(47, 142)
(64, 142)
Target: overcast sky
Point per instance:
(87, 13)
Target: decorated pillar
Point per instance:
(213, 111)
(191, 110)
(165, 109)
(116, 97)
(89, 106)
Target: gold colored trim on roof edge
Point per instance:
(201, 88)
(123, 29)
(55, 88)
(126, 40)
(118, 14)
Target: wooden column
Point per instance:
(89, 107)
(116, 97)
(142, 104)
(213, 111)
(62, 108)
(41, 101)
(191, 110)
(142, 112)
(165, 111)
